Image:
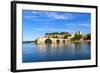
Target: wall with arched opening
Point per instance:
(63, 41)
(58, 41)
(48, 41)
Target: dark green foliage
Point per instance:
(66, 36)
(87, 37)
(62, 33)
(55, 33)
(77, 36)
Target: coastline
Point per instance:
(65, 42)
(81, 41)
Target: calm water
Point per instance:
(56, 52)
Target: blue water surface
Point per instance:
(56, 52)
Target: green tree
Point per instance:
(87, 37)
(46, 33)
(62, 33)
(78, 36)
(66, 36)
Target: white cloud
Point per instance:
(53, 15)
(59, 16)
(45, 29)
(85, 25)
(29, 17)
(79, 25)
(53, 29)
(70, 24)
(34, 12)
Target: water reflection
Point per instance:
(56, 52)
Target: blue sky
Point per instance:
(37, 23)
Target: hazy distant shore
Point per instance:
(28, 41)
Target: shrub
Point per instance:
(77, 36)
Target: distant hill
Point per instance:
(28, 41)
